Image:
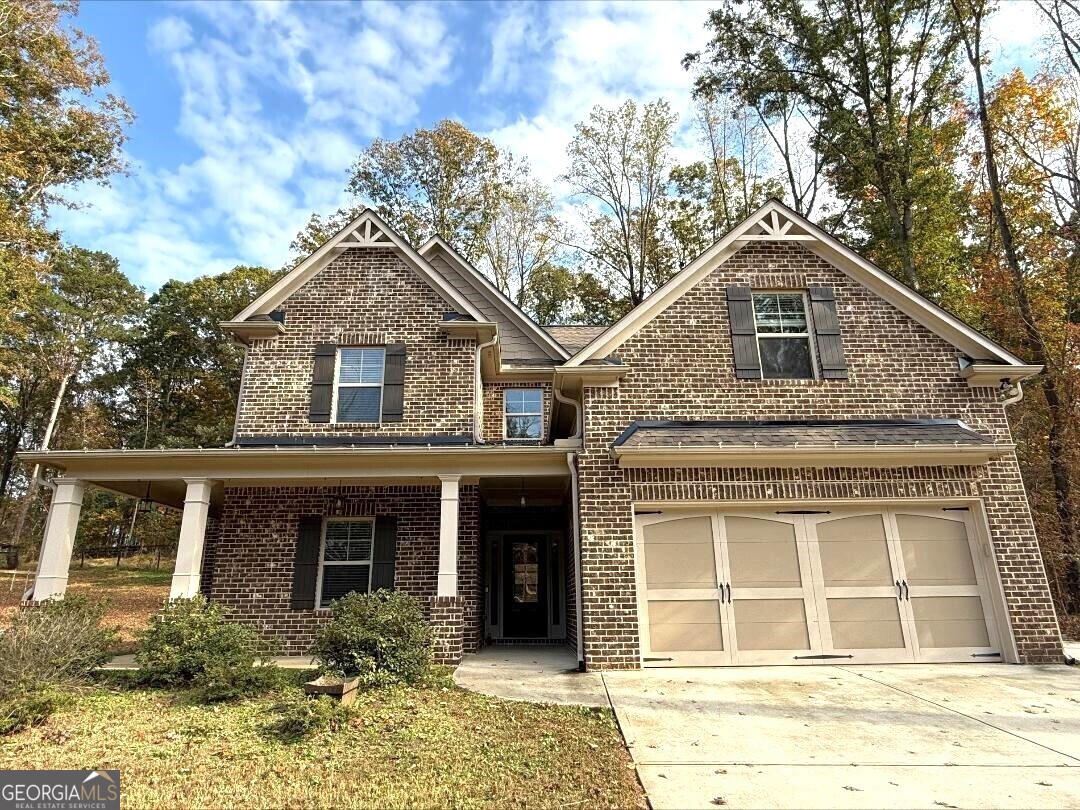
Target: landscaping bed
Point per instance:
(426, 746)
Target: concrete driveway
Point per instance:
(968, 735)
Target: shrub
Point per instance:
(191, 644)
(48, 646)
(380, 637)
(300, 715)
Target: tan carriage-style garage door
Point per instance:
(811, 586)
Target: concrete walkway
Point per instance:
(534, 674)
(968, 735)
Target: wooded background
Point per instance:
(883, 120)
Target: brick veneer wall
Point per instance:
(253, 552)
(363, 297)
(681, 367)
(493, 426)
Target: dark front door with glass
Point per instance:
(525, 586)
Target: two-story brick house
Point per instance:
(781, 456)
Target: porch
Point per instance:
(254, 532)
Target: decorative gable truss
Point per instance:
(367, 231)
(983, 362)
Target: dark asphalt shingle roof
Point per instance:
(574, 337)
(860, 433)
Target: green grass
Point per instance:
(437, 746)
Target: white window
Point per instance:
(523, 411)
(358, 384)
(783, 336)
(345, 559)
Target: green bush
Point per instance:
(300, 715)
(48, 647)
(191, 644)
(381, 637)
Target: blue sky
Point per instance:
(250, 114)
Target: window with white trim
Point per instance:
(345, 559)
(783, 336)
(523, 413)
(358, 384)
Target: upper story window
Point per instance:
(523, 410)
(358, 389)
(345, 562)
(783, 336)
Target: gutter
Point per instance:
(571, 462)
(478, 389)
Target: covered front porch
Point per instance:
(266, 531)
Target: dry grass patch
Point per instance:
(429, 747)
(132, 592)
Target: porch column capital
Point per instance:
(189, 551)
(448, 535)
(60, 529)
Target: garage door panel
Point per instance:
(770, 624)
(950, 621)
(687, 625)
(936, 551)
(762, 553)
(854, 552)
(680, 554)
(865, 623)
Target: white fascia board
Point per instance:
(876, 456)
(829, 248)
(992, 375)
(497, 298)
(307, 269)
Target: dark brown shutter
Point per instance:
(830, 349)
(382, 556)
(322, 382)
(306, 563)
(740, 305)
(393, 395)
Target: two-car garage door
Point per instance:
(806, 586)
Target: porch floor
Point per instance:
(533, 674)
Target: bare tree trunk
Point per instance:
(31, 490)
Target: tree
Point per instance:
(619, 164)
(442, 181)
(523, 236)
(878, 82)
(181, 380)
(81, 309)
(57, 128)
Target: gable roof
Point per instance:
(774, 221)
(368, 230)
(575, 336)
(496, 301)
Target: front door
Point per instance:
(525, 578)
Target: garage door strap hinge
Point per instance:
(804, 512)
(819, 657)
(986, 655)
(658, 659)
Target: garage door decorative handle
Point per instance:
(899, 590)
(907, 590)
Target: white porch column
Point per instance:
(60, 528)
(189, 552)
(448, 535)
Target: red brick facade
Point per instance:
(681, 368)
(251, 557)
(364, 297)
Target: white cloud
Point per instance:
(278, 99)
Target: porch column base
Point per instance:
(447, 630)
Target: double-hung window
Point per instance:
(523, 412)
(345, 562)
(783, 336)
(359, 385)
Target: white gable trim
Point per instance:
(774, 221)
(367, 230)
(496, 297)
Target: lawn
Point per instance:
(133, 592)
(438, 746)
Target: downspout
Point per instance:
(577, 410)
(1015, 397)
(478, 390)
(571, 459)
